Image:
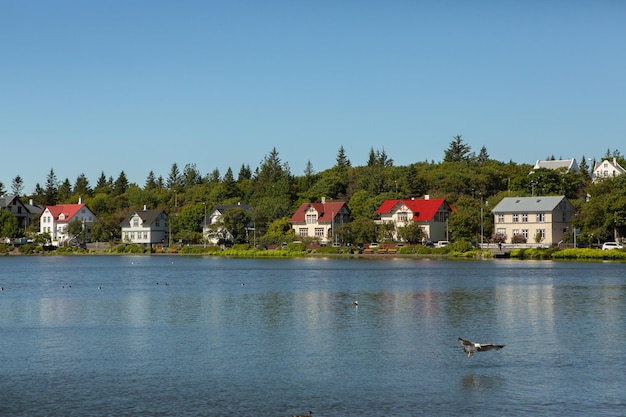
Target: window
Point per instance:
(564, 217)
(500, 218)
(541, 233)
(515, 232)
(515, 218)
(501, 231)
(525, 233)
(135, 222)
(303, 231)
(524, 217)
(541, 217)
(403, 216)
(319, 232)
(145, 235)
(157, 222)
(311, 218)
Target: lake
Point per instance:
(202, 336)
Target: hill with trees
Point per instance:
(468, 180)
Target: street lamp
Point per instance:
(204, 228)
(482, 234)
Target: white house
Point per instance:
(431, 214)
(569, 165)
(320, 220)
(55, 220)
(211, 231)
(541, 219)
(145, 226)
(606, 169)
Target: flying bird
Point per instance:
(471, 347)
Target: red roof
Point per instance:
(69, 210)
(423, 210)
(325, 211)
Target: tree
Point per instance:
(173, 179)
(233, 225)
(2, 188)
(52, 189)
(191, 176)
(342, 159)
(17, 186)
(121, 184)
(230, 185)
(244, 173)
(458, 151)
(412, 233)
(65, 191)
(76, 231)
(9, 226)
(150, 181)
(81, 186)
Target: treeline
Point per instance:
(473, 182)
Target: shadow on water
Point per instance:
(474, 381)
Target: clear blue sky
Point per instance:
(105, 86)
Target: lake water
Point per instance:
(193, 336)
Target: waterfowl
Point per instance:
(471, 347)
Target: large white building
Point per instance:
(55, 220)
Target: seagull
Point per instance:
(355, 303)
(471, 347)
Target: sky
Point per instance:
(91, 87)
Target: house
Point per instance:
(540, 219)
(56, 219)
(430, 213)
(320, 220)
(24, 213)
(145, 227)
(568, 165)
(606, 169)
(210, 224)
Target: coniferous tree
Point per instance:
(17, 186)
(230, 185)
(150, 181)
(121, 184)
(458, 151)
(342, 159)
(65, 192)
(173, 180)
(52, 189)
(244, 173)
(81, 186)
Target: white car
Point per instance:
(442, 244)
(611, 245)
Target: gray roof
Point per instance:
(568, 164)
(147, 216)
(536, 204)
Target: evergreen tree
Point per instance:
(458, 151)
(52, 189)
(81, 186)
(65, 192)
(2, 191)
(483, 156)
(121, 184)
(173, 180)
(342, 159)
(191, 176)
(214, 177)
(230, 185)
(150, 181)
(17, 186)
(244, 173)
(103, 186)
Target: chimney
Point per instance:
(426, 197)
(145, 207)
(80, 200)
(323, 200)
(30, 201)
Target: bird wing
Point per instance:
(484, 348)
(465, 342)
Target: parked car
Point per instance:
(611, 245)
(442, 243)
(336, 245)
(373, 245)
(429, 244)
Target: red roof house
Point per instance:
(431, 214)
(320, 219)
(55, 220)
